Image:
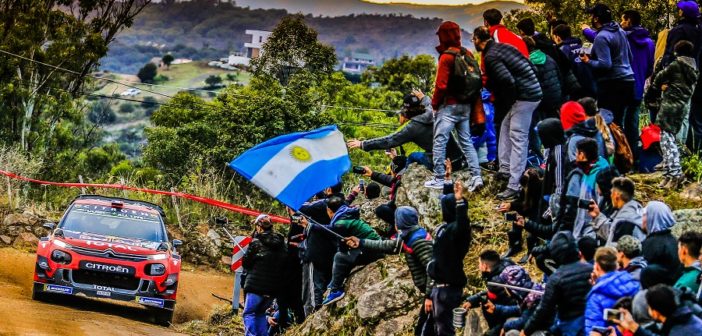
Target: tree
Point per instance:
(102, 113)
(404, 73)
(213, 81)
(147, 73)
(167, 60)
(293, 46)
(126, 108)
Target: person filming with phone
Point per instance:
(626, 218)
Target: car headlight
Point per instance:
(161, 256)
(156, 269)
(61, 257)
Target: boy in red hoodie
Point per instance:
(450, 112)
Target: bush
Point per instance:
(126, 108)
(102, 113)
(147, 73)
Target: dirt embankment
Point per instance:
(79, 316)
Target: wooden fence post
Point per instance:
(177, 210)
(82, 189)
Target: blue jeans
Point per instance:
(448, 118)
(255, 322)
(574, 327)
(420, 158)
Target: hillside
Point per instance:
(194, 30)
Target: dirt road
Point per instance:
(19, 315)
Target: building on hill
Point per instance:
(258, 38)
(357, 63)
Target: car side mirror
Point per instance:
(49, 226)
(177, 242)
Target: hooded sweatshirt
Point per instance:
(264, 262)
(347, 222)
(611, 56)
(609, 288)
(660, 246)
(580, 131)
(624, 221)
(583, 185)
(550, 79)
(449, 39)
(688, 29)
(451, 242)
(583, 73)
(642, 50)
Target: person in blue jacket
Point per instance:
(610, 286)
(488, 138)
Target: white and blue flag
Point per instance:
(294, 167)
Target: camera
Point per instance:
(511, 216)
(359, 170)
(611, 314)
(585, 204)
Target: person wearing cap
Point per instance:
(452, 111)
(415, 243)
(418, 115)
(264, 262)
(629, 256)
(512, 80)
(610, 60)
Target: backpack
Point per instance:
(466, 81)
(606, 135)
(623, 157)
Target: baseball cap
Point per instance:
(410, 106)
(689, 8)
(263, 221)
(629, 245)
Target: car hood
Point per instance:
(117, 244)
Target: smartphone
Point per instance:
(611, 314)
(585, 204)
(511, 216)
(362, 185)
(359, 170)
(295, 219)
(602, 330)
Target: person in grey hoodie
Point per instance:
(610, 61)
(660, 246)
(626, 218)
(418, 114)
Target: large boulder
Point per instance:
(687, 219)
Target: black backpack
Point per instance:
(466, 81)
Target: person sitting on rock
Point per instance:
(526, 300)
(491, 267)
(451, 243)
(416, 245)
(418, 115)
(345, 221)
(626, 218)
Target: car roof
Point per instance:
(126, 201)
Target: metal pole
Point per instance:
(82, 189)
(312, 222)
(237, 289)
(515, 288)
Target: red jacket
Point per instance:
(501, 34)
(449, 38)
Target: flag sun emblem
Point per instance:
(300, 154)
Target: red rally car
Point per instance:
(108, 247)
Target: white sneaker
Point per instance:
(476, 183)
(434, 183)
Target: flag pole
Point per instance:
(522, 289)
(313, 222)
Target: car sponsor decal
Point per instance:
(150, 301)
(109, 268)
(103, 293)
(58, 289)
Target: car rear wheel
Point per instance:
(164, 317)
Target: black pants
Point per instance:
(344, 262)
(616, 96)
(425, 323)
(386, 212)
(631, 127)
(444, 300)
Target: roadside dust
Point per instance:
(67, 315)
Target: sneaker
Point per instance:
(508, 194)
(434, 183)
(333, 297)
(664, 182)
(476, 183)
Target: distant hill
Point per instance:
(203, 32)
(469, 16)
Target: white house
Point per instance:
(357, 63)
(258, 38)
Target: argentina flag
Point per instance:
(294, 167)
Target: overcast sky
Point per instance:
(436, 2)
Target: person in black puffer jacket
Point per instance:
(264, 262)
(565, 290)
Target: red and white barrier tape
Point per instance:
(204, 200)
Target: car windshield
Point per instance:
(115, 222)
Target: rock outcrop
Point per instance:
(22, 230)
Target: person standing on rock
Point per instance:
(264, 262)
(416, 245)
(451, 243)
